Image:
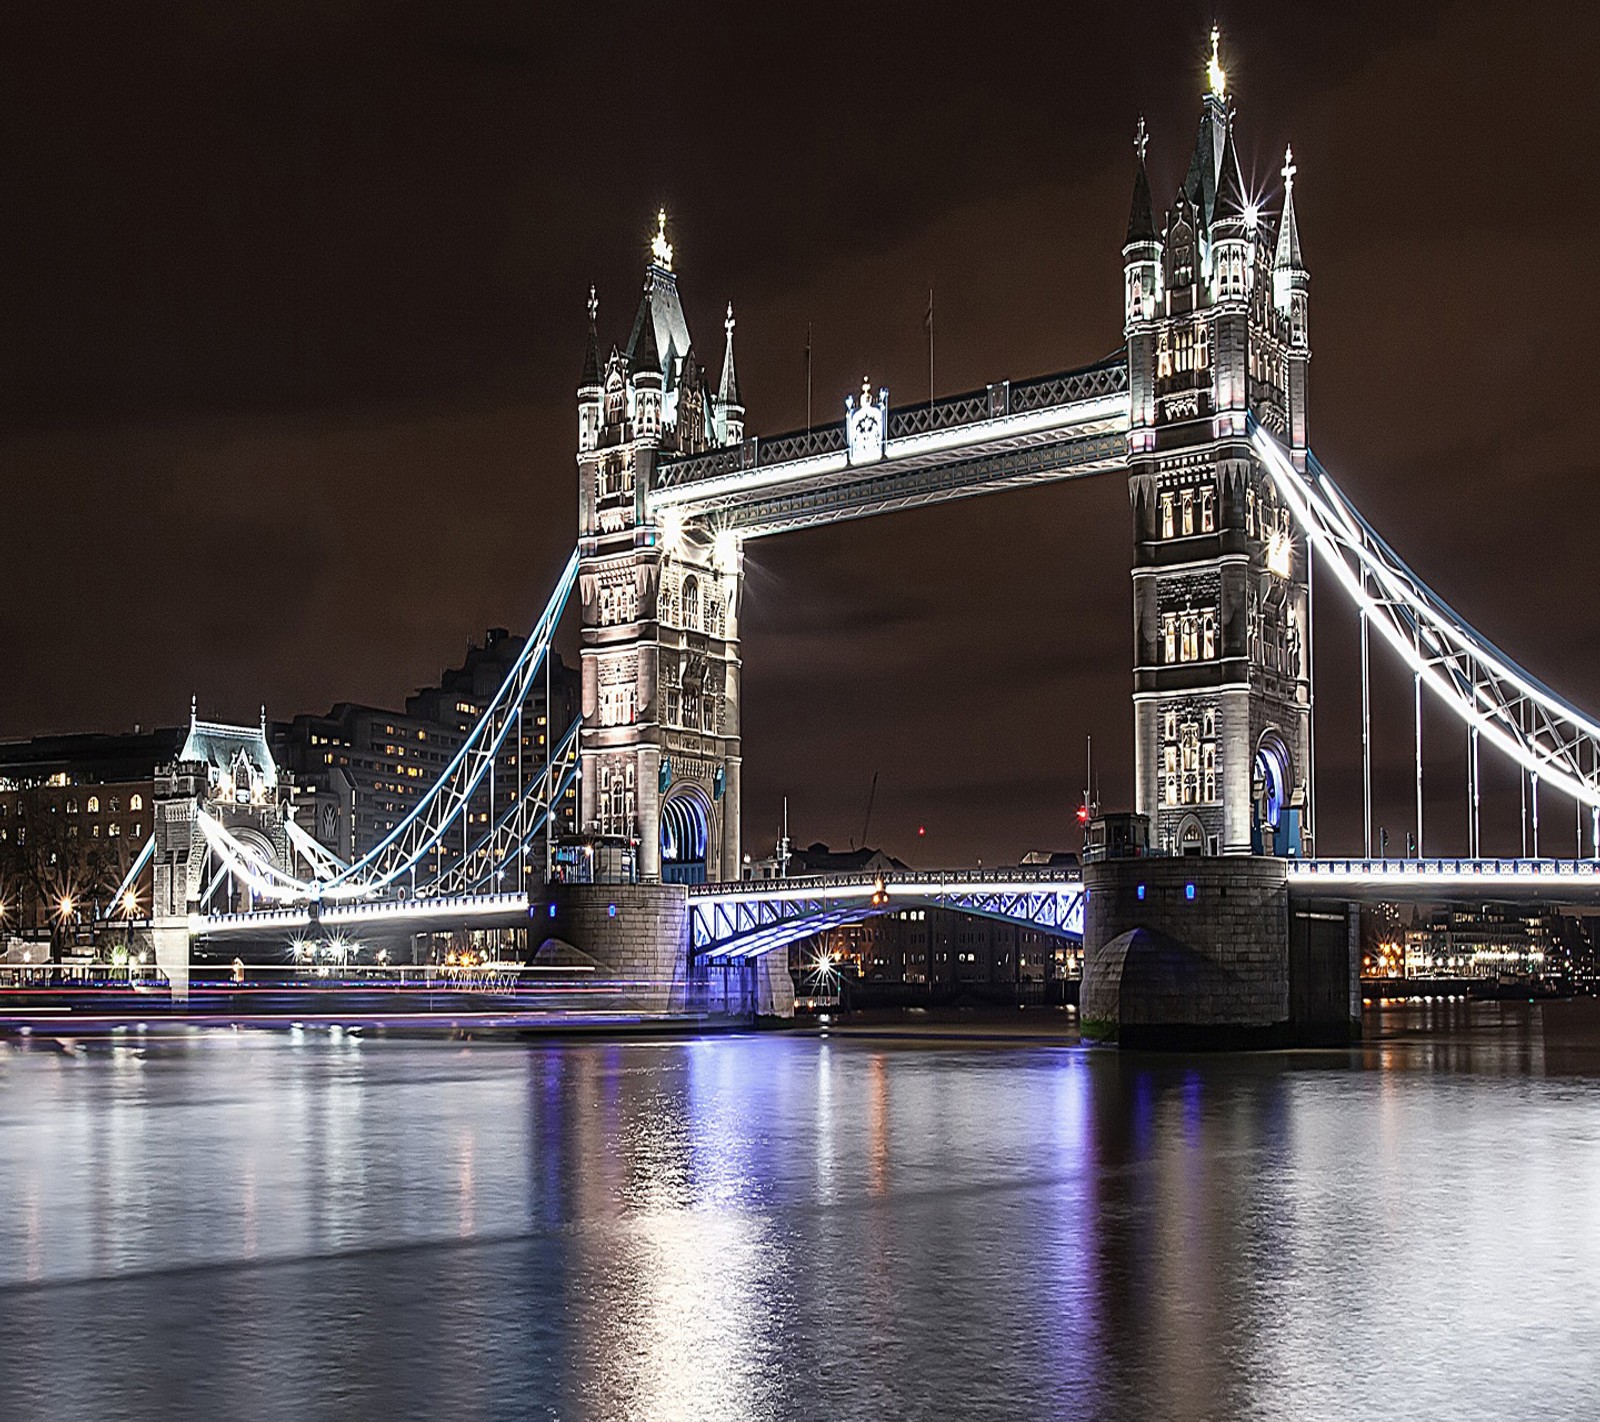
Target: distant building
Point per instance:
(73, 812)
(1492, 941)
(359, 770)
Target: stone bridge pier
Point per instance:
(1204, 951)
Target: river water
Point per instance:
(306, 1224)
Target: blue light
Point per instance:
(552, 910)
(1188, 891)
(611, 909)
(1141, 893)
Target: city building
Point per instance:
(1490, 941)
(73, 812)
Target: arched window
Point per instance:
(136, 802)
(94, 804)
(72, 807)
(691, 604)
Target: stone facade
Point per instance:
(1215, 318)
(637, 936)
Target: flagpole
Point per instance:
(808, 377)
(930, 351)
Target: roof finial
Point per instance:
(1215, 75)
(730, 323)
(263, 718)
(1141, 139)
(594, 305)
(1288, 170)
(194, 707)
(660, 248)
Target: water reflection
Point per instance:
(776, 1227)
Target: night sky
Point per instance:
(293, 294)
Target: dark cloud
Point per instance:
(293, 296)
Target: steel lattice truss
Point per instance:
(1543, 733)
(741, 921)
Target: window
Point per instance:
(1208, 522)
(94, 806)
(1166, 515)
(1188, 512)
(72, 807)
(1208, 636)
(1169, 633)
(1190, 649)
(691, 604)
(1208, 771)
(136, 802)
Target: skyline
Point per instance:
(847, 616)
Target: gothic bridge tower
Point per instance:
(659, 747)
(1215, 317)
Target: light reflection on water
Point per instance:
(771, 1226)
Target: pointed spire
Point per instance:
(660, 248)
(1230, 185)
(591, 356)
(1216, 77)
(1288, 253)
(194, 708)
(729, 392)
(1141, 216)
(646, 355)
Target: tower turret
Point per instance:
(1141, 291)
(730, 407)
(1290, 284)
(1221, 600)
(589, 387)
(644, 376)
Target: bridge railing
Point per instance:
(1045, 392)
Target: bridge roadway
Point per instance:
(754, 916)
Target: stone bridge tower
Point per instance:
(1215, 317)
(659, 748)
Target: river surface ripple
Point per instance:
(309, 1224)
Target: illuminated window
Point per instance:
(1208, 636)
(72, 807)
(1188, 512)
(94, 806)
(1166, 515)
(1208, 520)
(136, 802)
(1169, 636)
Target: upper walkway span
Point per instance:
(881, 459)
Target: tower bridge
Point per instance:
(1203, 410)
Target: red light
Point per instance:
(1083, 814)
(921, 830)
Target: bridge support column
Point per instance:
(172, 944)
(1201, 953)
(637, 935)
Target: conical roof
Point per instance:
(728, 393)
(1230, 185)
(1141, 215)
(591, 356)
(1288, 253)
(642, 352)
